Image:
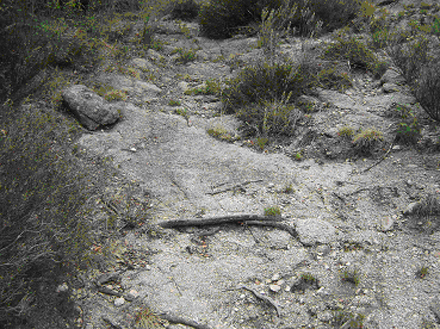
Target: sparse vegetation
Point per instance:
(272, 211)
(345, 319)
(352, 276)
(346, 132)
(367, 142)
(422, 272)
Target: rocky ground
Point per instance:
(352, 259)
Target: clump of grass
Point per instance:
(270, 118)
(174, 103)
(308, 278)
(422, 272)
(186, 10)
(408, 130)
(356, 54)
(272, 211)
(352, 276)
(221, 133)
(145, 318)
(345, 319)
(426, 213)
(335, 78)
(211, 87)
(367, 142)
(268, 81)
(185, 55)
(346, 132)
(289, 189)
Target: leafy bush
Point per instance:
(357, 55)
(272, 211)
(335, 13)
(219, 19)
(270, 118)
(426, 90)
(367, 142)
(334, 77)
(408, 129)
(45, 232)
(265, 81)
(186, 10)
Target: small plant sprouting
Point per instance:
(262, 141)
(174, 103)
(351, 276)
(308, 278)
(367, 141)
(345, 131)
(422, 272)
(145, 318)
(272, 211)
(289, 189)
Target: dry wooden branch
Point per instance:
(264, 298)
(280, 226)
(383, 158)
(179, 223)
(178, 319)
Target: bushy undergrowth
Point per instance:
(186, 10)
(357, 55)
(45, 233)
(268, 81)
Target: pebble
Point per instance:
(119, 301)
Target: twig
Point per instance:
(235, 187)
(264, 298)
(383, 158)
(179, 223)
(280, 226)
(178, 319)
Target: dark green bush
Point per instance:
(357, 55)
(220, 19)
(427, 90)
(186, 10)
(45, 233)
(268, 82)
(271, 118)
(335, 13)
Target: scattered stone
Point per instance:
(276, 277)
(119, 301)
(91, 109)
(274, 287)
(409, 210)
(62, 287)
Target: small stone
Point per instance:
(119, 301)
(133, 294)
(274, 287)
(62, 287)
(276, 277)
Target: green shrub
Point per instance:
(265, 81)
(408, 130)
(185, 55)
(270, 118)
(335, 13)
(345, 132)
(45, 196)
(334, 77)
(347, 319)
(426, 90)
(356, 54)
(186, 10)
(367, 142)
(272, 211)
(220, 19)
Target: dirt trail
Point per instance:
(347, 221)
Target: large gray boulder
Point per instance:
(91, 109)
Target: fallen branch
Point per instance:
(178, 319)
(383, 158)
(264, 298)
(238, 187)
(179, 223)
(280, 226)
